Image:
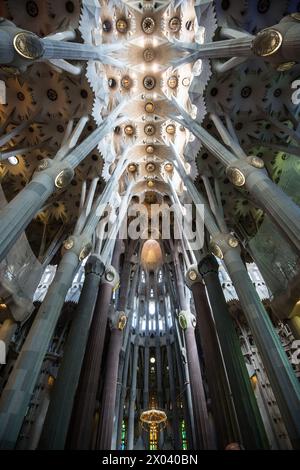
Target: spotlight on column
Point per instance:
(152, 360)
(13, 160)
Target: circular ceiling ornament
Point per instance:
(112, 83)
(122, 25)
(32, 9)
(149, 107)
(132, 168)
(126, 82)
(170, 129)
(267, 42)
(173, 82)
(150, 184)
(149, 54)
(175, 24)
(285, 66)
(106, 26)
(149, 129)
(28, 45)
(129, 130)
(169, 167)
(150, 149)
(148, 25)
(186, 81)
(150, 167)
(149, 82)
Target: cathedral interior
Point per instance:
(149, 225)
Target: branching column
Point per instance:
(249, 173)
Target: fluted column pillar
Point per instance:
(203, 433)
(253, 433)
(62, 396)
(107, 411)
(222, 404)
(7, 331)
(80, 432)
(132, 398)
(172, 385)
(187, 323)
(123, 368)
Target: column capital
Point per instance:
(118, 320)
(80, 245)
(222, 243)
(22, 47)
(61, 171)
(240, 170)
(279, 44)
(94, 265)
(207, 265)
(192, 276)
(111, 277)
(186, 319)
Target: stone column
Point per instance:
(281, 375)
(203, 433)
(107, 411)
(62, 396)
(123, 366)
(132, 398)
(172, 385)
(248, 415)
(187, 323)
(17, 392)
(222, 405)
(185, 387)
(282, 378)
(21, 48)
(80, 432)
(7, 330)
